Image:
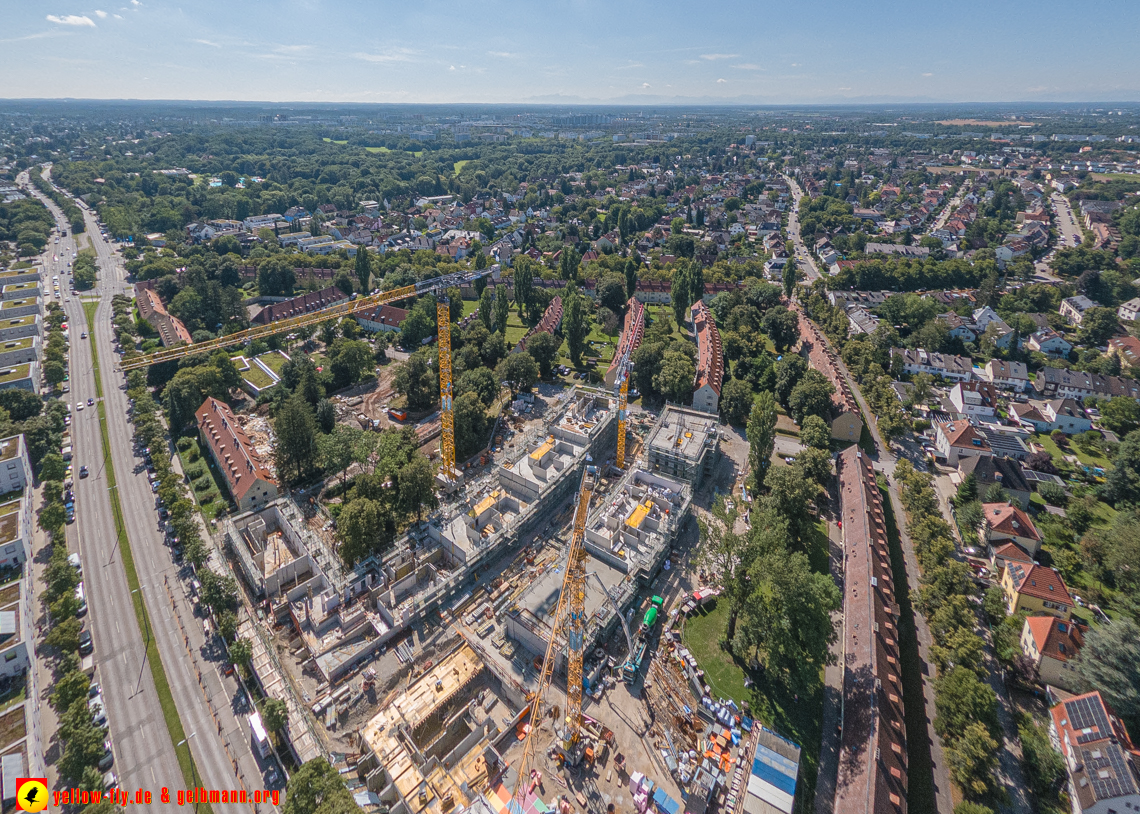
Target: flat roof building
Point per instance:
(683, 445)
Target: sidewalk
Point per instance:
(38, 559)
(828, 775)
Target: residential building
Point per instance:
(381, 318)
(1005, 441)
(846, 420)
(19, 327)
(632, 332)
(1002, 555)
(1102, 764)
(974, 399)
(683, 444)
(1129, 311)
(1052, 644)
(1054, 381)
(251, 483)
(21, 377)
(1011, 375)
(551, 319)
(170, 328)
(304, 304)
(1073, 308)
(997, 471)
(1036, 589)
(1127, 348)
(952, 368)
(872, 746)
(1006, 523)
(960, 439)
(20, 307)
(15, 466)
(15, 532)
(710, 360)
(1050, 343)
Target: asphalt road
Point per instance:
(144, 754)
(211, 708)
(1071, 232)
(803, 257)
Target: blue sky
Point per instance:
(801, 51)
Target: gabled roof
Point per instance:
(962, 434)
(1040, 582)
(1012, 552)
(710, 356)
(1009, 519)
(1055, 638)
(235, 455)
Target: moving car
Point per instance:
(83, 473)
(90, 402)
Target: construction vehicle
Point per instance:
(632, 666)
(569, 620)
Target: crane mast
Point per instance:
(622, 409)
(446, 413)
(569, 616)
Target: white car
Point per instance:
(79, 407)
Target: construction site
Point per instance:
(519, 649)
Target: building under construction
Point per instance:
(683, 445)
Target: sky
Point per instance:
(518, 51)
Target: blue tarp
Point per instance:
(774, 772)
(664, 803)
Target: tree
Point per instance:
(811, 396)
(51, 517)
(337, 450)
(486, 308)
(1110, 662)
(273, 710)
(611, 292)
(1097, 326)
(69, 689)
(349, 361)
(416, 486)
(761, 435)
(630, 278)
(524, 285)
(815, 464)
(52, 467)
(418, 325)
(502, 309)
(64, 636)
(568, 263)
(543, 348)
(679, 294)
(736, 401)
(725, 553)
(361, 529)
(790, 496)
(518, 370)
(782, 327)
(275, 277)
(675, 379)
(470, 425)
(317, 788)
(296, 431)
(326, 415)
(574, 323)
(966, 807)
(54, 372)
(363, 268)
(1123, 480)
(241, 652)
(815, 433)
(791, 272)
(416, 381)
(481, 381)
(786, 619)
(962, 699)
(973, 762)
(968, 489)
(1120, 414)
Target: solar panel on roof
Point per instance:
(1108, 774)
(1088, 713)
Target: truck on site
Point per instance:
(632, 666)
(259, 739)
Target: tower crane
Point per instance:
(569, 619)
(446, 412)
(341, 309)
(621, 395)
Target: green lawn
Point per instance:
(330, 141)
(1085, 456)
(212, 497)
(459, 165)
(257, 377)
(274, 361)
(799, 719)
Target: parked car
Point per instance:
(86, 643)
(108, 759)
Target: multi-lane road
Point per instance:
(210, 707)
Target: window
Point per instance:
(10, 656)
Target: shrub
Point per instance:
(185, 442)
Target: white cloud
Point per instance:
(452, 68)
(721, 81)
(646, 85)
(71, 19)
(630, 65)
(928, 74)
(748, 66)
(502, 54)
(712, 57)
(117, 16)
(102, 15)
(135, 3)
(392, 55)
(207, 42)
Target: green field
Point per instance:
(257, 377)
(274, 361)
(459, 165)
(417, 153)
(330, 141)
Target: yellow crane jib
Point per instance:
(341, 309)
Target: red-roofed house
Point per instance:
(381, 318)
(1003, 554)
(1005, 523)
(1052, 643)
(1102, 764)
(304, 304)
(710, 360)
(170, 328)
(250, 482)
(1036, 589)
(960, 439)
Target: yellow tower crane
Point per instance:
(446, 414)
(621, 395)
(569, 620)
(341, 309)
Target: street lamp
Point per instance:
(146, 623)
(193, 768)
